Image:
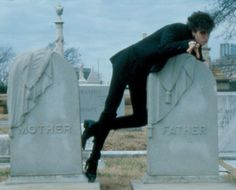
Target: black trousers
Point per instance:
(136, 79)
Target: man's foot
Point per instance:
(88, 124)
(91, 170)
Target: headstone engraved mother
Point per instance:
(43, 103)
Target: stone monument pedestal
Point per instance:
(182, 151)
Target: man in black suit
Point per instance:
(131, 67)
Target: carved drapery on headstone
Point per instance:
(45, 120)
(175, 79)
(29, 77)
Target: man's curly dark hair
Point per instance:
(201, 21)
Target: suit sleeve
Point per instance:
(171, 45)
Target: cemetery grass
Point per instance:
(4, 130)
(4, 173)
(118, 172)
(127, 139)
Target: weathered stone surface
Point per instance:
(182, 123)
(92, 101)
(52, 186)
(45, 135)
(138, 185)
(226, 102)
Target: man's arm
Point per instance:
(174, 41)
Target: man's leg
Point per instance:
(138, 96)
(115, 94)
(108, 120)
(123, 75)
(137, 119)
(101, 128)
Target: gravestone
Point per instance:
(226, 121)
(92, 101)
(4, 146)
(182, 121)
(182, 126)
(43, 103)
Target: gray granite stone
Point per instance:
(4, 145)
(226, 121)
(52, 186)
(45, 136)
(92, 101)
(138, 185)
(182, 123)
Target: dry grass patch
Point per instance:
(4, 173)
(231, 177)
(118, 172)
(126, 140)
(4, 130)
(3, 116)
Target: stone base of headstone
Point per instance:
(51, 186)
(139, 185)
(57, 182)
(46, 179)
(151, 179)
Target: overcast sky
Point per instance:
(99, 28)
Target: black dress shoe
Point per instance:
(88, 132)
(91, 170)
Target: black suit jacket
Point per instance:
(151, 53)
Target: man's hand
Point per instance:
(194, 47)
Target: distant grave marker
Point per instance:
(226, 102)
(92, 101)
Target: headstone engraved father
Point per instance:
(182, 121)
(44, 118)
(182, 127)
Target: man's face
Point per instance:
(201, 36)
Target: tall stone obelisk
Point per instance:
(59, 27)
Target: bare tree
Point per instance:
(224, 12)
(6, 56)
(71, 54)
